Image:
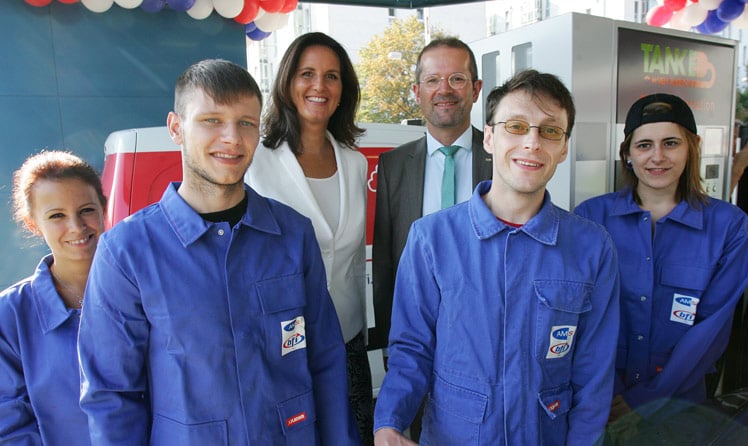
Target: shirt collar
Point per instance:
(543, 227)
(465, 141)
(50, 308)
(682, 213)
(189, 226)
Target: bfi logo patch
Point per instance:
(293, 335)
(561, 340)
(684, 309)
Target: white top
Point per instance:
(277, 174)
(432, 178)
(327, 193)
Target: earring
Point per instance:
(628, 164)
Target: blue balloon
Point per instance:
(153, 5)
(249, 27)
(712, 24)
(257, 34)
(730, 10)
(181, 5)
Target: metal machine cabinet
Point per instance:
(607, 65)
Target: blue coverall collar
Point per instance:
(189, 226)
(682, 213)
(543, 227)
(49, 305)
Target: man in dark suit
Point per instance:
(409, 177)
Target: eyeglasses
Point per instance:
(516, 127)
(457, 81)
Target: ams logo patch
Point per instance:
(561, 339)
(684, 309)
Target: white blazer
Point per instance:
(275, 173)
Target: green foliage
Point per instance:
(741, 105)
(386, 72)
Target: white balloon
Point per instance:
(677, 22)
(693, 15)
(201, 9)
(709, 4)
(228, 8)
(128, 4)
(271, 21)
(742, 20)
(97, 5)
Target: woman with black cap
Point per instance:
(683, 260)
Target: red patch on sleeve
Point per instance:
(296, 419)
(554, 406)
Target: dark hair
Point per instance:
(49, 165)
(220, 79)
(281, 121)
(449, 42)
(534, 83)
(690, 187)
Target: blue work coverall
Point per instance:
(39, 379)
(198, 333)
(509, 331)
(668, 341)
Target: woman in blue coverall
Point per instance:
(57, 196)
(683, 260)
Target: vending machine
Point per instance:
(607, 65)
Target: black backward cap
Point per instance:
(680, 114)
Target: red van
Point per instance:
(140, 163)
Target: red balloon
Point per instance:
(249, 12)
(659, 16)
(675, 5)
(289, 6)
(272, 5)
(38, 3)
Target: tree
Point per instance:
(386, 72)
(741, 106)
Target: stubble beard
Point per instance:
(447, 121)
(206, 184)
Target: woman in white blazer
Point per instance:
(308, 161)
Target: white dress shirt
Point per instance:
(432, 179)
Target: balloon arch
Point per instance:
(704, 16)
(262, 17)
(259, 17)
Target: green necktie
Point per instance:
(448, 178)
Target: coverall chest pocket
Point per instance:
(560, 305)
(686, 285)
(283, 300)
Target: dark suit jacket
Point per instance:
(399, 203)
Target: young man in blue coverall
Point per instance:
(506, 307)
(207, 317)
